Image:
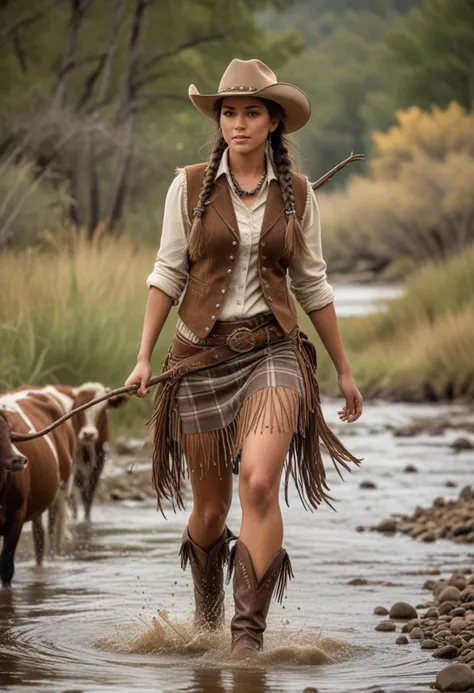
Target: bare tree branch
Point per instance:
(78, 10)
(127, 113)
(9, 33)
(104, 60)
(191, 43)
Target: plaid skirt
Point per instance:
(203, 417)
(212, 398)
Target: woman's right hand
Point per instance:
(141, 374)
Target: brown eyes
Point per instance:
(231, 113)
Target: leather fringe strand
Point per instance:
(278, 407)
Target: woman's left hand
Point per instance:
(353, 409)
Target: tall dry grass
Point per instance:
(72, 311)
(422, 346)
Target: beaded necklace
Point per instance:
(240, 191)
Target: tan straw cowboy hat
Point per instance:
(244, 77)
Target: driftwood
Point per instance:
(19, 437)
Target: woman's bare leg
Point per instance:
(263, 457)
(212, 494)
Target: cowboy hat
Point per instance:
(244, 77)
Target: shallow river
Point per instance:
(83, 622)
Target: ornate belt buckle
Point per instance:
(241, 340)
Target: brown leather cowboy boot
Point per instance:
(252, 598)
(207, 568)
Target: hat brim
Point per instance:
(295, 102)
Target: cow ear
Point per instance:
(119, 401)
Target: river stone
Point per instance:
(445, 609)
(358, 581)
(458, 611)
(386, 626)
(402, 640)
(429, 644)
(403, 611)
(457, 625)
(416, 634)
(449, 594)
(462, 444)
(432, 612)
(367, 484)
(446, 652)
(310, 690)
(380, 611)
(387, 525)
(455, 677)
(410, 469)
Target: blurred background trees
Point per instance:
(94, 113)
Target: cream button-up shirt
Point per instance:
(306, 275)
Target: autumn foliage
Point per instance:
(417, 204)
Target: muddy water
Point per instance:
(84, 622)
(113, 614)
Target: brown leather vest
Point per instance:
(210, 276)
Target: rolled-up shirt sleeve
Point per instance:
(308, 272)
(170, 272)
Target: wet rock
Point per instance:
(403, 611)
(450, 594)
(429, 585)
(455, 677)
(358, 581)
(310, 690)
(446, 608)
(387, 526)
(386, 626)
(367, 484)
(432, 612)
(360, 528)
(466, 493)
(408, 627)
(416, 634)
(457, 625)
(446, 652)
(410, 469)
(429, 644)
(402, 640)
(461, 444)
(380, 611)
(450, 484)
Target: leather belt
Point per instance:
(240, 340)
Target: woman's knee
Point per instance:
(258, 492)
(212, 514)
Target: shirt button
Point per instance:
(234, 242)
(206, 329)
(264, 257)
(229, 271)
(231, 257)
(262, 244)
(218, 305)
(267, 285)
(264, 269)
(270, 299)
(213, 317)
(222, 291)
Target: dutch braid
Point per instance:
(295, 242)
(196, 240)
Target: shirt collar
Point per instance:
(224, 167)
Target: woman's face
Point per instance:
(245, 123)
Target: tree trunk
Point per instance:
(126, 116)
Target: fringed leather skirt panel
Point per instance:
(207, 414)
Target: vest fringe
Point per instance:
(278, 407)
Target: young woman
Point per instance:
(239, 232)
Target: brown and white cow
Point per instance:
(92, 432)
(43, 482)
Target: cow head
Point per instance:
(11, 459)
(92, 429)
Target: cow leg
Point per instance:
(89, 492)
(58, 518)
(10, 542)
(38, 539)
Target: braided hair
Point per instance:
(196, 239)
(295, 242)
